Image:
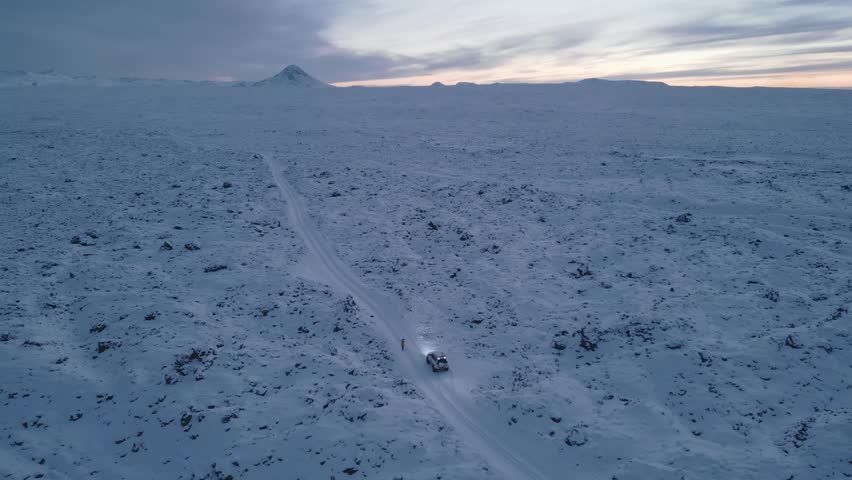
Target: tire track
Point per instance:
(388, 315)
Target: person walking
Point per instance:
(402, 343)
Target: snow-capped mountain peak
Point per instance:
(292, 76)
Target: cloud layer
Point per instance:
(177, 38)
(252, 39)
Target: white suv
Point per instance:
(438, 361)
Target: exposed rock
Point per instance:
(495, 249)
(802, 434)
(185, 419)
(98, 328)
(838, 313)
(585, 343)
(203, 357)
(350, 307)
(791, 342)
(106, 345)
(575, 438)
(582, 271)
(772, 295)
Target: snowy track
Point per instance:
(478, 432)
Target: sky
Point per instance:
(790, 43)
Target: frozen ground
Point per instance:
(630, 281)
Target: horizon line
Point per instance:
(390, 83)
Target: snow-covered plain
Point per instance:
(20, 78)
(630, 280)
